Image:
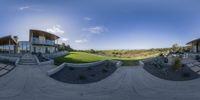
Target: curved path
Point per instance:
(127, 83)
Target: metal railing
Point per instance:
(45, 42)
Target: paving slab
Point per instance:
(3, 71)
(190, 65)
(2, 65)
(195, 68)
(197, 63)
(9, 67)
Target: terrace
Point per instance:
(38, 41)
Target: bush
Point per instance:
(71, 68)
(92, 51)
(166, 60)
(104, 70)
(93, 75)
(177, 63)
(186, 75)
(158, 63)
(89, 68)
(82, 77)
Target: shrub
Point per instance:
(186, 75)
(82, 77)
(177, 63)
(158, 63)
(71, 68)
(93, 75)
(89, 68)
(166, 60)
(104, 70)
(92, 51)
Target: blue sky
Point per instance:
(105, 24)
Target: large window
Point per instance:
(6, 48)
(24, 46)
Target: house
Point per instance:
(42, 42)
(39, 42)
(195, 45)
(8, 44)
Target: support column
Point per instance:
(30, 43)
(9, 46)
(3, 48)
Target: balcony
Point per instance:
(43, 42)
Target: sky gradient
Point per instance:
(105, 24)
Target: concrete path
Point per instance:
(127, 83)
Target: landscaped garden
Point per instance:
(87, 74)
(173, 70)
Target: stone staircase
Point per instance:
(28, 59)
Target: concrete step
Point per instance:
(27, 63)
(28, 59)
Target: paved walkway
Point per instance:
(27, 82)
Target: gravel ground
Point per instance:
(83, 75)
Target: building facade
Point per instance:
(8, 44)
(39, 42)
(195, 45)
(42, 42)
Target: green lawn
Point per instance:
(83, 57)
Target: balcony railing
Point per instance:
(42, 42)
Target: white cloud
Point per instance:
(64, 39)
(81, 41)
(87, 18)
(56, 30)
(24, 7)
(96, 29)
(31, 8)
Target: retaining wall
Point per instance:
(7, 59)
(55, 70)
(56, 54)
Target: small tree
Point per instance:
(175, 47)
(92, 51)
(177, 63)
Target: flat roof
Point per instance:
(48, 35)
(5, 40)
(195, 40)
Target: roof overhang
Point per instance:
(6, 40)
(43, 33)
(193, 41)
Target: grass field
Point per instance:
(137, 54)
(83, 57)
